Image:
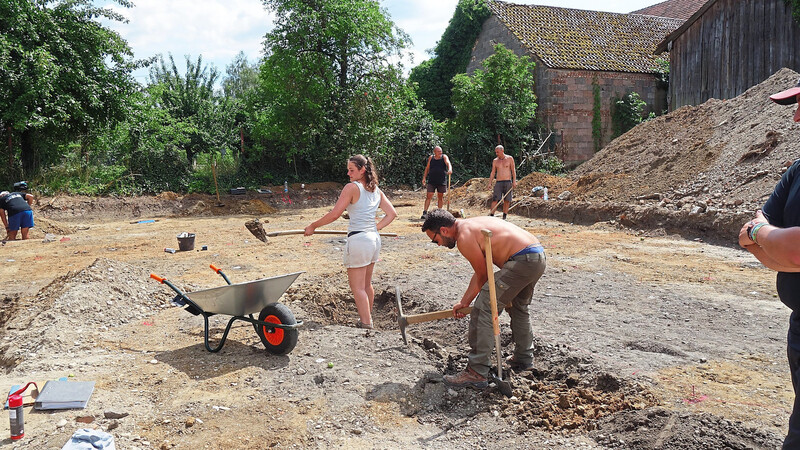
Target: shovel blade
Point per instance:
(503, 386)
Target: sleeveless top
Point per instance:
(438, 170)
(362, 212)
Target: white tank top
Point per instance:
(362, 212)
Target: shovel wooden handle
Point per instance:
(288, 232)
(487, 235)
(498, 205)
(436, 315)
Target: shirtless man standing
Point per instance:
(521, 260)
(506, 173)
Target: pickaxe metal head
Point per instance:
(404, 321)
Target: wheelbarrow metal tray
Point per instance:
(240, 299)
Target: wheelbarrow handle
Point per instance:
(157, 278)
(219, 271)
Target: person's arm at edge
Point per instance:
(387, 207)
(779, 246)
(491, 175)
(345, 198)
(427, 168)
(513, 173)
(29, 199)
(449, 166)
(471, 250)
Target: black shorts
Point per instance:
(500, 188)
(441, 188)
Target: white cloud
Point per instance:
(217, 30)
(220, 29)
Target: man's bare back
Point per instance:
(507, 239)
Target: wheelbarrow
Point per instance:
(276, 325)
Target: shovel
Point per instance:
(448, 192)
(503, 386)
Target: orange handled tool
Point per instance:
(157, 278)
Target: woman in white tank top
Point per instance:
(361, 198)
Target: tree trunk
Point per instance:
(28, 155)
(10, 149)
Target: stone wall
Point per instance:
(566, 98)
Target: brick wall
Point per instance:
(566, 97)
(569, 106)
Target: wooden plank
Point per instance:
(749, 52)
(738, 51)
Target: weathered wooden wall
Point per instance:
(733, 46)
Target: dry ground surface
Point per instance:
(643, 340)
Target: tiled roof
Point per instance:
(677, 9)
(579, 39)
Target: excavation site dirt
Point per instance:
(653, 330)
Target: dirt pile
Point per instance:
(723, 154)
(67, 314)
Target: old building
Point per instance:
(676, 9)
(728, 46)
(577, 52)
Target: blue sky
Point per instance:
(219, 29)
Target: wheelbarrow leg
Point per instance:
(224, 335)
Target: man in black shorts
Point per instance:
(438, 167)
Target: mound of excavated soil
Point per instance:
(67, 312)
(724, 153)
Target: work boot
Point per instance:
(361, 324)
(517, 366)
(466, 378)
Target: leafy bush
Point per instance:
(627, 112)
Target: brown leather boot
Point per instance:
(466, 378)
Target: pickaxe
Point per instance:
(405, 321)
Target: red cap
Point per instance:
(14, 400)
(786, 97)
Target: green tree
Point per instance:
(494, 105)
(206, 118)
(433, 77)
(62, 74)
(241, 77)
(329, 86)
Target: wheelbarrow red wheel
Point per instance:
(278, 341)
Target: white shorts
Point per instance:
(362, 249)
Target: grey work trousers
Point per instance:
(514, 285)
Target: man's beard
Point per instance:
(448, 242)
